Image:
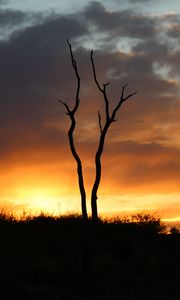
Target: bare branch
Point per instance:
(123, 89)
(122, 94)
(74, 64)
(100, 125)
(106, 84)
(71, 114)
(122, 99)
(103, 91)
(94, 73)
(130, 95)
(72, 57)
(66, 106)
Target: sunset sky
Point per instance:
(135, 42)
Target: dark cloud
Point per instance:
(14, 21)
(11, 18)
(125, 23)
(35, 71)
(174, 31)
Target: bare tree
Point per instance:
(110, 118)
(71, 114)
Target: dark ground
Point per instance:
(41, 258)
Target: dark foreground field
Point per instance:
(42, 258)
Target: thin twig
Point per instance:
(66, 106)
(102, 90)
(94, 73)
(74, 64)
(122, 99)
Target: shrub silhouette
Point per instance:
(41, 258)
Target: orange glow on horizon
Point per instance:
(37, 194)
(125, 188)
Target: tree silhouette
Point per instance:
(110, 118)
(71, 114)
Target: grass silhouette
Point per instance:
(41, 258)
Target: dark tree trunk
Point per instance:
(82, 191)
(99, 152)
(71, 114)
(79, 168)
(110, 118)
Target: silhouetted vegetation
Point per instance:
(41, 258)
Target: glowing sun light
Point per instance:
(39, 200)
